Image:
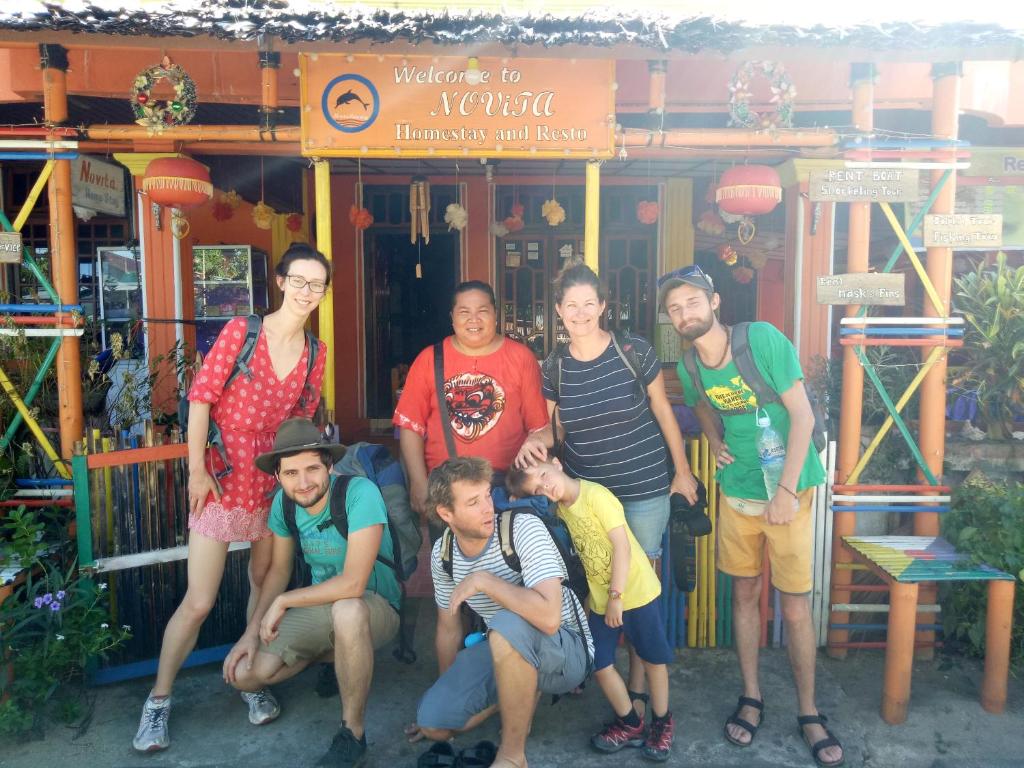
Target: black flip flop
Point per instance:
(440, 755)
(480, 755)
(829, 741)
(735, 719)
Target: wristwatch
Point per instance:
(614, 594)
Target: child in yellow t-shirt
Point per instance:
(624, 592)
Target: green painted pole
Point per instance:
(37, 382)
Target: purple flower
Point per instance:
(47, 598)
(38, 602)
(54, 606)
(60, 595)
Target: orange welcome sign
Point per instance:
(450, 106)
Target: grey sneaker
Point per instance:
(153, 734)
(263, 707)
(346, 751)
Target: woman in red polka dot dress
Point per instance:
(233, 506)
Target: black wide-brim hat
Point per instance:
(296, 436)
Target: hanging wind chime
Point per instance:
(262, 214)
(419, 207)
(358, 216)
(455, 215)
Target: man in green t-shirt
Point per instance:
(350, 609)
(750, 517)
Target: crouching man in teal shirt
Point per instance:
(350, 609)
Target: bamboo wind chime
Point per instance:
(419, 207)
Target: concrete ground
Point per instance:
(946, 727)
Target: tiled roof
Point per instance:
(655, 24)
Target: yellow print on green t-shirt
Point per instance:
(736, 397)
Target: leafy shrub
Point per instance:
(991, 361)
(986, 524)
(53, 626)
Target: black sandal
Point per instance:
(829, 741)
(440, 755)
(480, 755)
(735, 719)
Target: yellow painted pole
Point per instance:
(932, 358)
(691, 598)
(323, 243)
(937, 302)
(592, 215)
(30, 201)
(41, 438)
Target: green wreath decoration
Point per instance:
(158, 114)
(783, 95)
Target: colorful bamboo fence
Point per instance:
(702, 618)
(131, 505)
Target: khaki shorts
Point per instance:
(741, 541)
(306, 634)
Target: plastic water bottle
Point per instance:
(771, 452)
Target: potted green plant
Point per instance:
(991, 362)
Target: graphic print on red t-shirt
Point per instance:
(475, 403)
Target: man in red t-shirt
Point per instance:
(491, 389)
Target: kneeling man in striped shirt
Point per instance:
(536, 639)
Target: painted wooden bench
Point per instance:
(903, 562)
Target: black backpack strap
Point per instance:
(247, 350)
(288, 509)
(627, 353)
(551, 368)
(442, 404)
(743, 357)
(505, 542)
(447, 545)
(314, 351)
(690, 364)
(339, 517)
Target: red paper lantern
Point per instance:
(177, 182)
(749, 190)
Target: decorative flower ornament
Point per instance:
(293, 222)
(498, 229)
(742, 275)
(757, 259)
(262, 215)
(455, 217)
(553, 211)
(158, 114)
(730, 218)
(728, 254)
(647, 211)
(232, 198)
(222, 210)
(783, 94)
(514, 222)
(360, 218)
(711, 223)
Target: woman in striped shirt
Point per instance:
(618, 426)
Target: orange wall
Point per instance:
(231, 77)
(694, 83)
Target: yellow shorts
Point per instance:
(308, 633)
(741, 541)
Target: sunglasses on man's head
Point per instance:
(682, 273)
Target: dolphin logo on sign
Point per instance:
(350, 103)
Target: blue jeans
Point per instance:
(647, 519)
